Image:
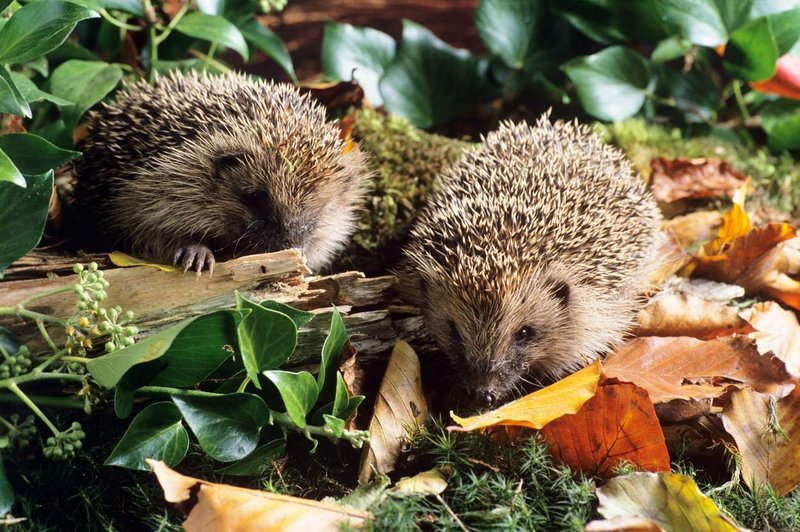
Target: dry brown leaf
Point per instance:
(617, 425)
(770, 449)
(687, 315)
(778, 267)
(537, 409)
(680, 410)
(673, 259)
(777, 331)
(210, 506)
(400, 406)
(695, 227)
(671, 500)
(674, 179)
(688, 368)
(335, 94)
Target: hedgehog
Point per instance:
(530, 258)
(201, 166)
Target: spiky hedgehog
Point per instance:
(202, 165)
(529, 258)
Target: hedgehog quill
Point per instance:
(199, 166)
(529, 258)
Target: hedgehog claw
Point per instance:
(195, 257)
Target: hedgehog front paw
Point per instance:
(195, 257)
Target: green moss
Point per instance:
(406, 161)
(775, 177)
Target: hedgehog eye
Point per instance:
(525, 335)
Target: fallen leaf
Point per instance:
(688, 368)
(540, 407)
(334, 94)
(672, 259)
(687, 315)
(623, 524)
(399, 407)
(680, 410)
(770, 450)
(615, 426)
(672, 500)
(210, 506)
(123, 260)
(695, 227)
(777, 268)
(674, 179)
(786, 80)
(777, 331)
(430, 482)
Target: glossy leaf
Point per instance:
(226, 426)
(157, 432)
(11, 99)
(299, 317)
(752, 51)
(215, 29)
(615, 21)
(430, 82)
(84, 83)
(508, 28)
(255, 462)
(38, 28)
(786, 29)
(781, 121)
(270, 43)
(31, 93)
(9, 171)
(6, 491)
(352, 52)
(298, 391)
(266, 338)
(611, 84)
(134, 7)
(329, 364)
(192, 348)
(23, 213)
(33, 154)
(704, 22)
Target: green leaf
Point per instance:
(694, 92)
(9, 171)
(84, 83)
(23, 213)
(752, 52)
(33, 154)
(32, 93)
(227, 426)
(614, 21)
(669, 49)
(430, 82)
(211, 7)
(351, 52)
(189, 348)
(298, 391)
(215, 29)
(786, 29)
(335, 424)
(270, 43)
(704, 22)
(508, 28)
(329, 364)
(157, 433)
(6, 491)
(299, 317)
(39, 65)
(4, 4)
(344, 405)
(266, 338)
(38, 28)
(134, 7)
(768, 7)
(781, 121)
(611, 84)
(11, 99)
(255, 463)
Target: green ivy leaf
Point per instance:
(33, 154)
(134, 7)
(11, 99)
(694, 92)
(704, 22)
(84, 83)
(611, 84)
(227, 426)
(31, 93)
(352, 52)
(266, 338)
(215, 29)
(329, 364)
(157, 433)
(786, 29)
(614, 21)
(9, 171)
(669, 49)
(335, 424)
(190, 351)
(38, 28)
(6, 491)
(254, 463)
(298, 391)
(752, 52)
(23, 213)
(299, 317)
(509, 28)
(268, 42)
(430, 82)
(781, 121)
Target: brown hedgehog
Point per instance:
(200, 165)
(529, 258)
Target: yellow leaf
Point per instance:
(542, 406)
(210, 506)
(671, 500)
(123, 260)
(430, 482)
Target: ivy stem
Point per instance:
(208, 60)
(41, 295)
(172, 23)
(80, 360)
(737, 92)
(355, 437)
(46, 336)
(25, 313)
(244, 384)
(118, 23)
(31, 377)
(6, 423)
(49, 360)
(30, 404)
(162, 391)
(60, 402)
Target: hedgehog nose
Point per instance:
(485, 398)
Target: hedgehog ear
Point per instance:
(561, 292)
(227, 161)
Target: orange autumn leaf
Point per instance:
(688, 368)
(786, 80)
(540, 407)
(688, 315)
(675, 179)
(769, 444)
(617, 425)
(210, 506)
(694, 227)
